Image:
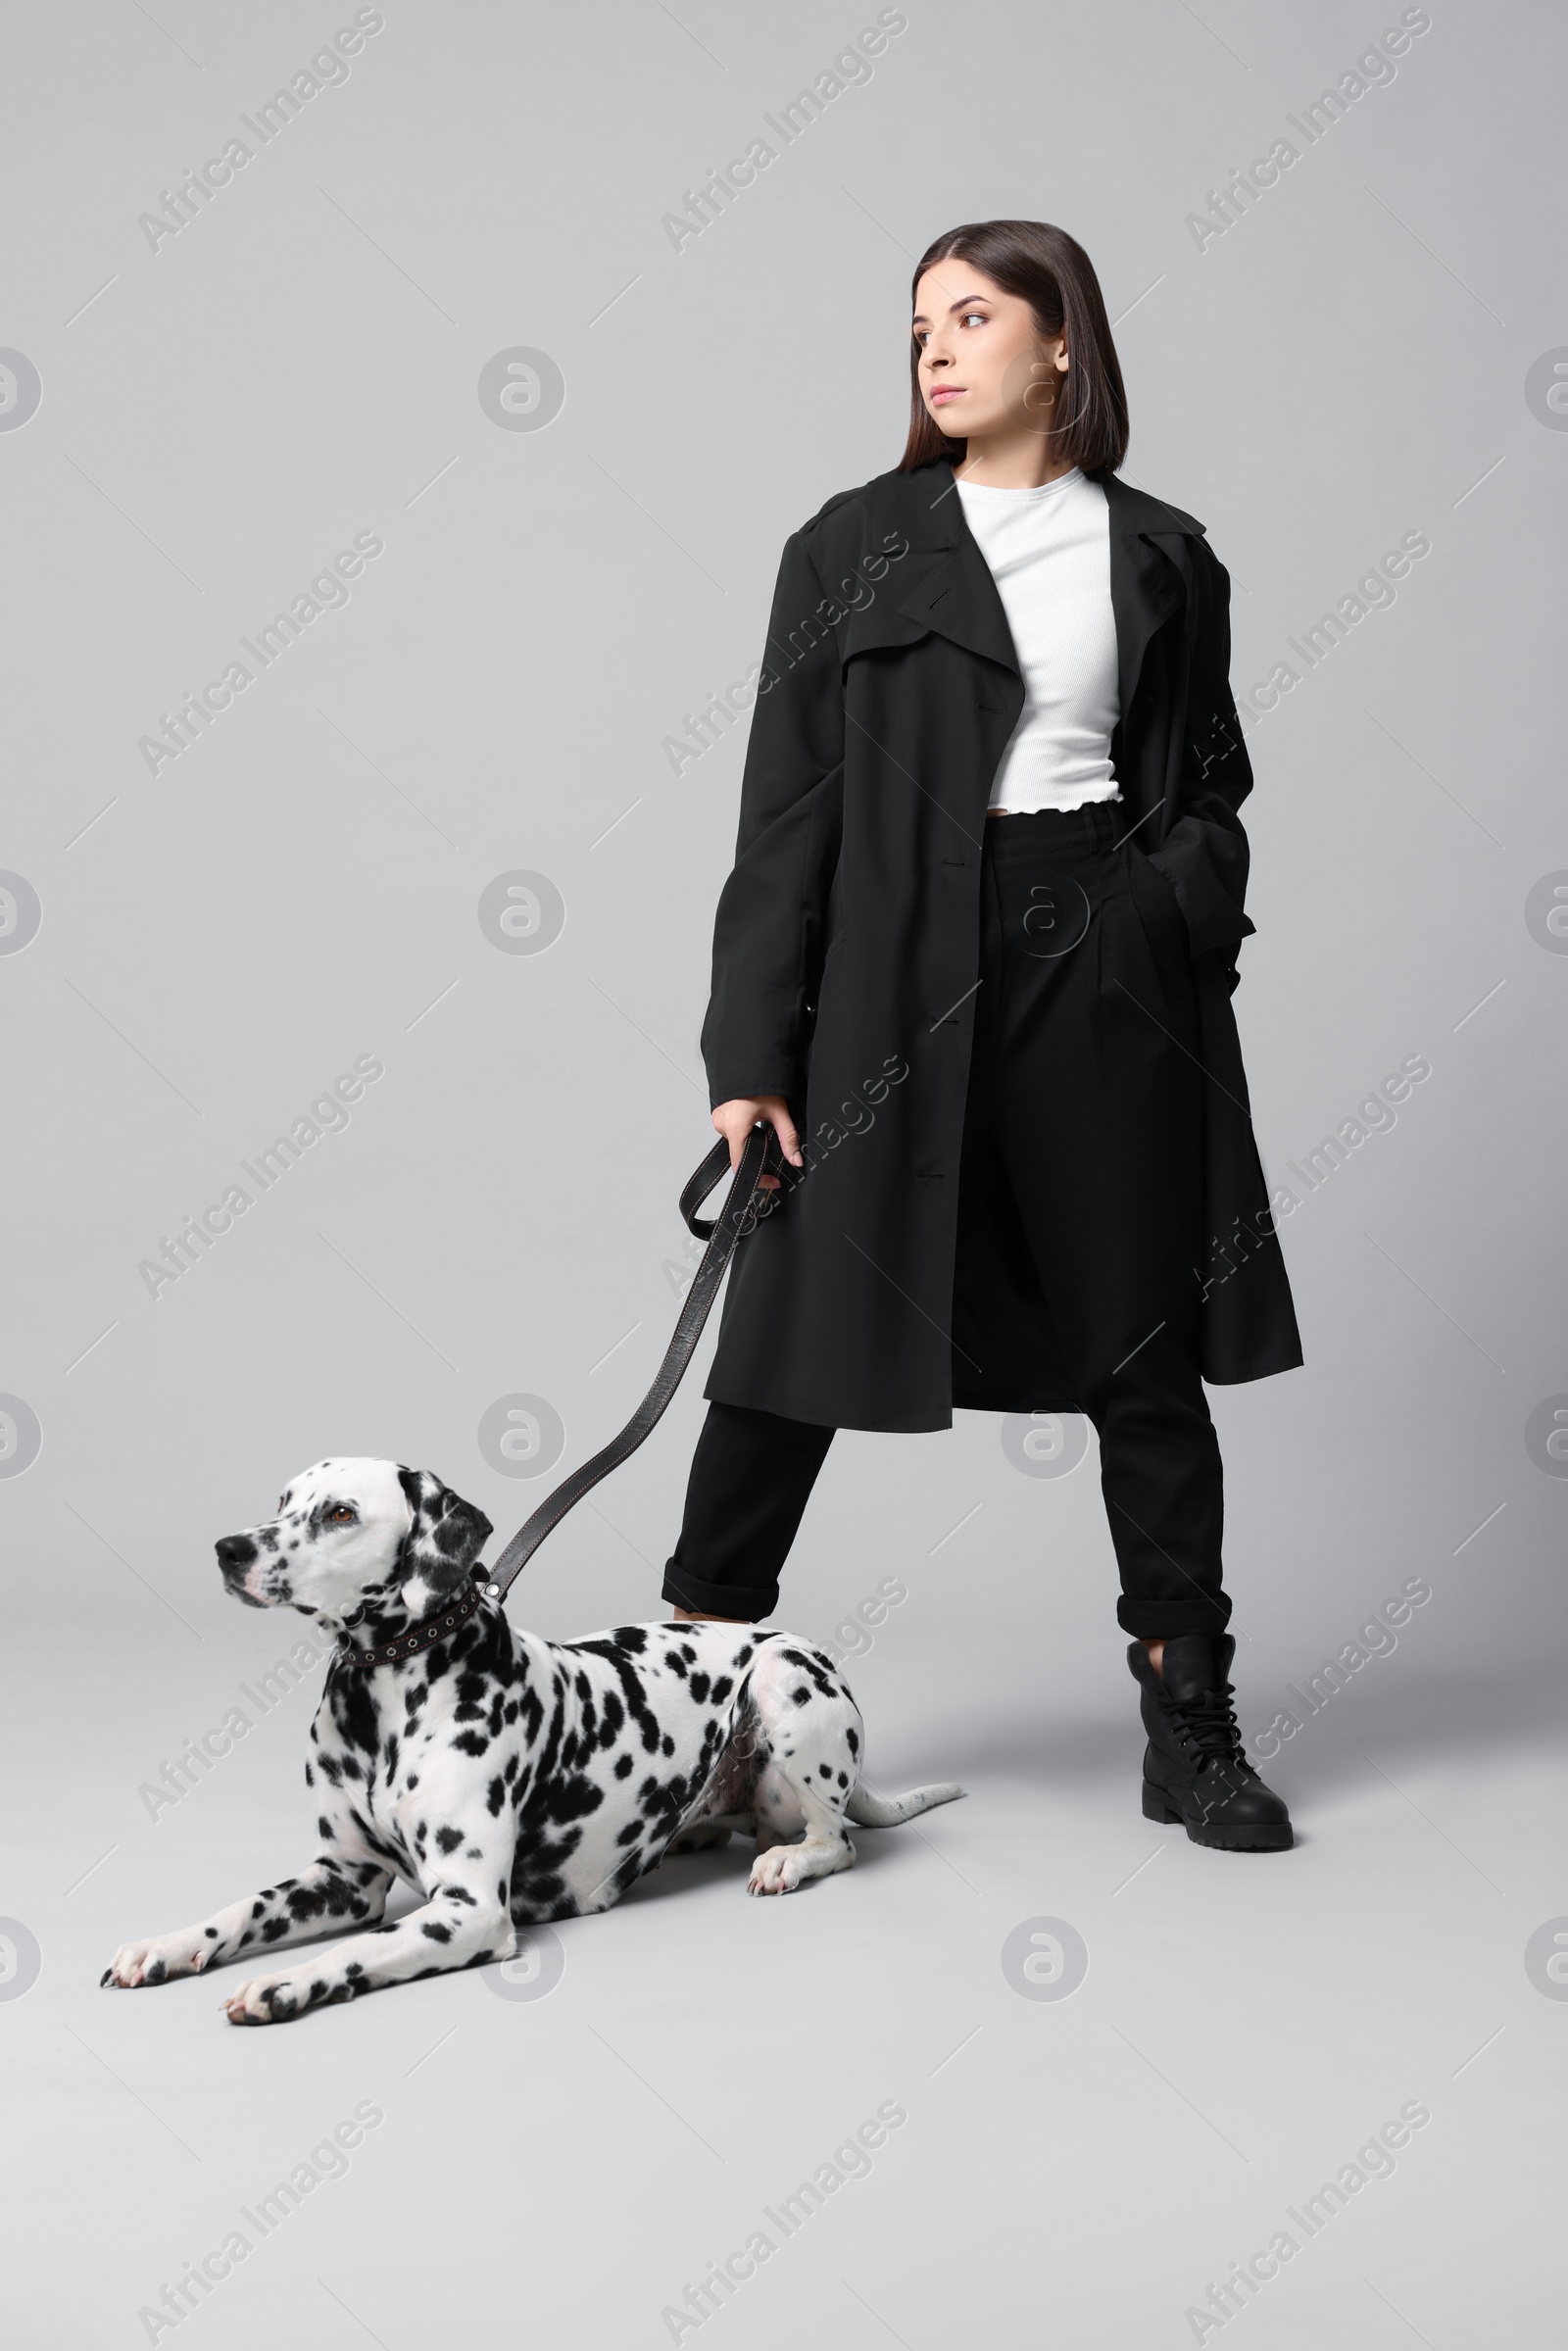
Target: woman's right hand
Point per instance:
(735, 1120)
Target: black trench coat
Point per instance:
(846, 950)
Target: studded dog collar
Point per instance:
(408, 1644)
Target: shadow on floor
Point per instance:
(1401, 1717)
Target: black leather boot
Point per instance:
(1195, 1768)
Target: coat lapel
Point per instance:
(955, 594)
(1146, 588)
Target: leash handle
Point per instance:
(745, 1201)
(702, 1183)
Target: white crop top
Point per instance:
(1049, 551)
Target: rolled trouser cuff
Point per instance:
(1166, 1620)
(751, 1478)
(747, 1601)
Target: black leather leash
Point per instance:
(745, 1200)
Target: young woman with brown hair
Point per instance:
(974, 965)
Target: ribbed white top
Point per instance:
(1049, 551)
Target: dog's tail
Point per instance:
(868, 1811)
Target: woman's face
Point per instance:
(984, 366)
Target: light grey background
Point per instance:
(1346, 364)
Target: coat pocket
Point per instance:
(1157, 907)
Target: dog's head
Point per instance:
(357, 1534)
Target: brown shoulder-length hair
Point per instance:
(1049, 270)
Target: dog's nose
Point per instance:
(234, 1551)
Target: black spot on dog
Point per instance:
(449, 1840)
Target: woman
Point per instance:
(974, 966)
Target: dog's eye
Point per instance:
(340, 1515)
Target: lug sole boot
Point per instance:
(1196, 1770)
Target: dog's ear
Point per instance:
(446, 1535)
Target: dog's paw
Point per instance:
(775, 1871)
(159, 1960)
(273, 1999)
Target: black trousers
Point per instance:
(1083, 1160)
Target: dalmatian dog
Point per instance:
(507, 1779)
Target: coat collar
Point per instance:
(954, 593)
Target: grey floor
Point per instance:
(565, 2154)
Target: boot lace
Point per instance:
(1209, 1721)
